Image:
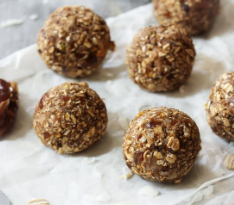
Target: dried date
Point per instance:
(8, 105)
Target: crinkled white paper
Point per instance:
(28, 169)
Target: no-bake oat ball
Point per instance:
(74, 41)
(195, 16)
(220, 107)
(160, 58)
(161, 144)
(70, 117)
(8, 105)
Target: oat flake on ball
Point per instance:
(74, 41)
(70, 118)
(161, 144)
(220, 107)
(196, 16)
(160, 58)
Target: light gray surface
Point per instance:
(4, 199)
(17, 37)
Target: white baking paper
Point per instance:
(28, 169)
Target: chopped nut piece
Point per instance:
(76, 129)
(162, 63)
(148, 191)
(74, 41)
(195, 16)
(219, 108)
(167, 156)
(229, 162)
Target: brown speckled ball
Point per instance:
(161, 144)
(70, 118)
(74, 41)
(160, 58)
(220, 107)
(195, 16)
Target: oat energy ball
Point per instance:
(8, 105)
(161, 144)
(160, 58)
(70, 118)
(195, 16)
(74, 41)
(220, 107)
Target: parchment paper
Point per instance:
(28, 169)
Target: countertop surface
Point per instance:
(31, 15)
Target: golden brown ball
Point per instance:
(70, 117)
(161, 144)
(195, 16)
(160, 59)
(74, 41)
(220, 107)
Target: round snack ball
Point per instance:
(161, 144)
(74, 41)
(70, 117)
(160, 58)
(8, 105)
(195, 16)
(220, 107)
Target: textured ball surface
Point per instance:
(220, 107)
(161, 144)
(70, 117)
(195, 16)
(160, 58)
(74, 41)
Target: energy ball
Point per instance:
(74, 41)
(70, 118)
(161, 144)
(220, 107)
(195, 16)
(160, 59)
(8, 105)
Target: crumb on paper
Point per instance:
(89, 160)
(34, 17)
(181, 89)
(148, 191)
(127, 175)
(11, 22)
(38, 202)
(104, 197)
(229, 162)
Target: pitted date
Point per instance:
(8, 105)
